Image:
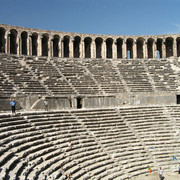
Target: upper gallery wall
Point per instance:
(35, 42)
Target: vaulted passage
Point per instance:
(87, 48)
(150, 48)
(45, 45)
(130, 48)
(140, 48)
(109, 43)
(2, 40)
(119, 48)
(24, 43)
(56, 46)
(66, 46)
(178, 47)
(76, 47)
(13, 44)
(169, 47)
(98, 42)
(34, 44)
(159, 48)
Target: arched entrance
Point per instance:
(76, 42)
(24, 43)
(34, 44)
(2, 40)
(140, 52)
(66, 46)
(13, 43)
(56, 46)
(159, 48)
(109, 43)
(169, 47)
(87, 47)
(98, 42)
(129, 48)
(119, 48)
(150, 47)
(178, 46)
(45, 45)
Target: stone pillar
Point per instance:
(39, 45)
(29, 44)
(134, 49)
(18, 43)
(145, 49)
(155, 48)
(7, 42)
(50, 46)
(103, 49)
(93, 49)
(82, 49)
(71, 48)
(124, 49)
(174, 48)
(114, 50)
(164, 48)
(61, 46)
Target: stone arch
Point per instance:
(119, 44)
(159, 48)
(109, 51)
(169, 46)
(139, 46)
(76, 45)
(150, 42)
(2, 40)
(87, 47)
(66, 46)
(56, 46)
(13, 41)
(129, 52)
(34, 38)
(98, 42)
(24, 43)
(45, 48)
(178, 46)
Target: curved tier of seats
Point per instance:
(65, 76)
(113, 143)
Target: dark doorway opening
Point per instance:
(178, 99)
(79, 103)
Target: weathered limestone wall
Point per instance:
(28, 41)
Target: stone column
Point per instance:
(18, 43)
(71, 47)
(39, 45)
(93, 49)
(124, 49)
(154, 48)
(174, 48)
(81, 49)
(164, 48)
(7, 42)
(61, 45)
(50, 46)
(145, 50)
(134, 49)
(29, 44)
(114, 49)
(103, 49)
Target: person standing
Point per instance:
(179, 169)
(13, 106)
(161, 174)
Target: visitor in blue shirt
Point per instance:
(13, 105)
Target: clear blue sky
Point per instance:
(116, 17)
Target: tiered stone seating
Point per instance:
(105, 74)
(109, 130)
(105, 143)
(49, 75)
(154, 128)
(162, 74)
(20, 76)
(135, 76)
(77, 75)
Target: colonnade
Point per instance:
(26, 41)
